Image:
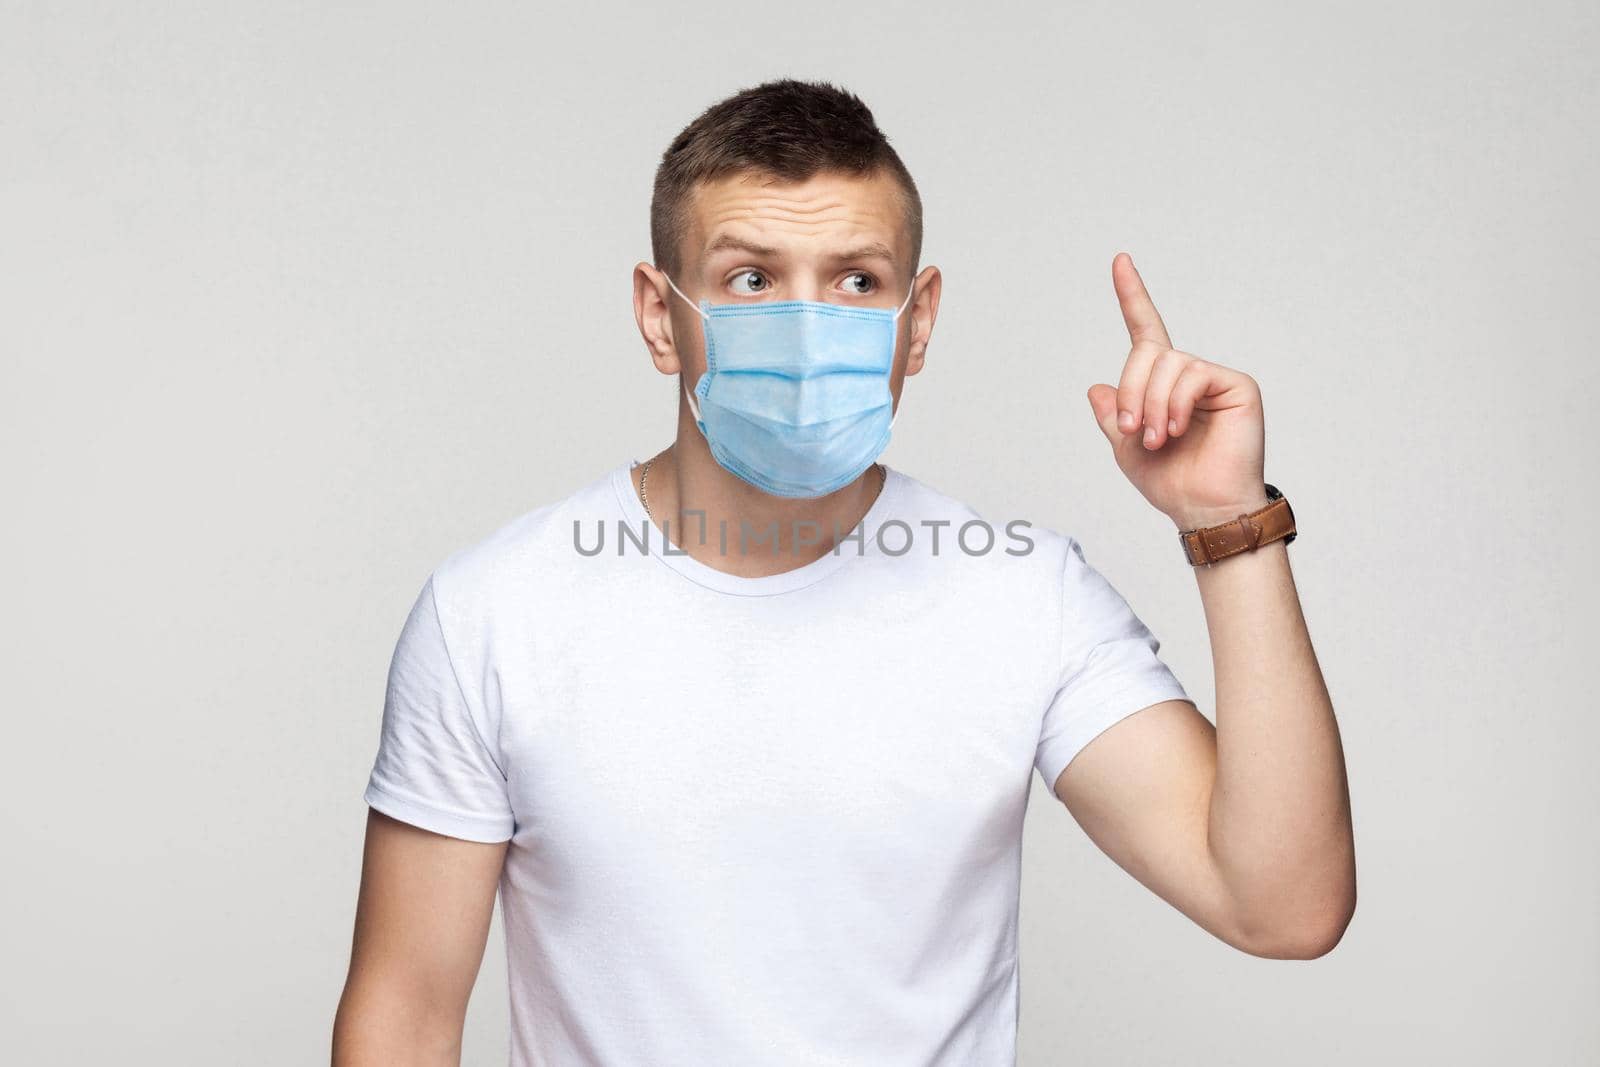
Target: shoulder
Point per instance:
(1007, 537)
(535, 546)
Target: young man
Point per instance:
(744, 734)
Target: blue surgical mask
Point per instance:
(795, 399)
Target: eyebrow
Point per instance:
(870, 250)
(728, 240)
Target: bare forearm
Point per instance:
(375, 1028)
(1279, 822)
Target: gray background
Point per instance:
(299, 298)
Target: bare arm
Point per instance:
(1244, 827)
(422, 919)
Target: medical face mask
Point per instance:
(795, 398)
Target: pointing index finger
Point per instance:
(1138, 310)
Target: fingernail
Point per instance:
(1124, 421)
(1172, 425)
(1149, 436)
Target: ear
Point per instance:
(652, 309)
(919, 316)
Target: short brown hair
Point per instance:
(786, 128)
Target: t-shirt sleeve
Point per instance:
(1109, 667)
(434, 768)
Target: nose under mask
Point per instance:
(795, 399)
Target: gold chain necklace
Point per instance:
(644, 481)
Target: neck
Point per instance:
(727, 524)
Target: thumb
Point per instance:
(1103, 402)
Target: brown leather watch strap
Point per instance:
(1247, 533)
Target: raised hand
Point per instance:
(1189, 434)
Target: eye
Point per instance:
(744, 276)
(859, 290)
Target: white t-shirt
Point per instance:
(769, 820)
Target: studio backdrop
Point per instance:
(298, 299)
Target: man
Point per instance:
(744, 734)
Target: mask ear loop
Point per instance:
(903, 303)
(903, 306)
(697, 308)
(694, 404)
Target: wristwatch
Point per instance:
(1248, 532)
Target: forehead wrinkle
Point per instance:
(737, 216)
(801, 205)
(734, 202)
(781, 216)
(725, 241)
